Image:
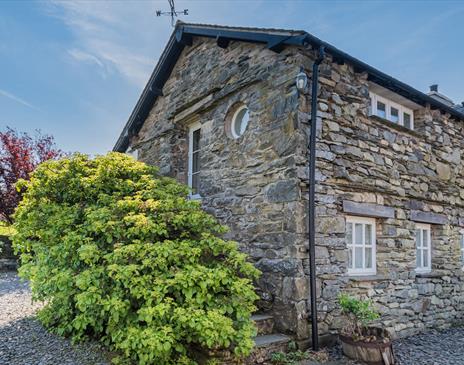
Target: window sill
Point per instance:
(428, 275)
(360, 278)
(398, 127)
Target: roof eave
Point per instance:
(275, 40)
(152, 90)
(179, 38)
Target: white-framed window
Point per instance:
(133, 152)
(360, 241)
(423, 248)
(240, 121)
(194, 159)
(392, 111)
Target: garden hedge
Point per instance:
(120, 254)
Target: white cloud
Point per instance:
(83, 56)
(116, 36)
(16, 99)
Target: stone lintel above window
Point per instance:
(368, 210)
(190, 112)
(428, 217)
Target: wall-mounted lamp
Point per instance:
(301, 81)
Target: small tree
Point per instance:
(359, 313)
(121, 254)
(19, 156)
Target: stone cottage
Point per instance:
(223, 113)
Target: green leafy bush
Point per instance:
(6, 230)
(359, 313)
(120, 254)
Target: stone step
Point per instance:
(8, 264)
(264, 323)
(266, 345)
(275, 339)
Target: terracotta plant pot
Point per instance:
(372, 353)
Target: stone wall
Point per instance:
(251, 184)
(419, 174)
(257, 184)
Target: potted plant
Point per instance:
(360, 341)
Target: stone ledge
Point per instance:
(368, 278)
(428, 217)
(8, 265)
(431, 275)
(368, 209)
(400, 128)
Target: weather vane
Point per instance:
(173, 13)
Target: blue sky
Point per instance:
(75, 69)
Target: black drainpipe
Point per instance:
(312, 190)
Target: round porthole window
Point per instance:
(240, 121)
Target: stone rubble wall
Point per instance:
(366, 159)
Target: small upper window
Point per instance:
(133, 152)
(423, 248)
(194, 160)
(240, 121)
(394, 112)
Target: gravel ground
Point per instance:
(432, 348)
(445, 347)
(23, 340)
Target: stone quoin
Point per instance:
(389, 173)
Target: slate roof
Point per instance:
(274, 39)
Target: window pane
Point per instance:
(196, 140)
(358, 257)
(349, 233)
(407, 120)
(394, 115)
(195, 183)
(368, 234)
(425, 258)
(425, 238)
(418, 258)
(358, 233)
(350, 258)
(368, 258)
(418, 238)
(381, 110)
(241, 121)
(195, 162)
